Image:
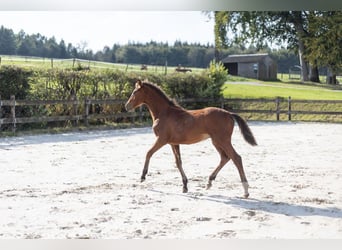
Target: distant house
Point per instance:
(257, 66)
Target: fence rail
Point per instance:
(277, 108)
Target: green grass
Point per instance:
(47, 63)
(297, 91)
(274, 89)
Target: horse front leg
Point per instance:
(157, 145)
(176, 152)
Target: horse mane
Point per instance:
(161, 92)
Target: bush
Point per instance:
(67, 84)
(14, 81)
(218, 74)
(205, 85)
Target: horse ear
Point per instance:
(139, 84)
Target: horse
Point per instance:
(175, 125)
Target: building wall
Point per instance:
(267, 69)
(244, 66)
(247, 70)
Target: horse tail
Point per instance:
(245, 130)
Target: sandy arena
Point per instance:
(87, 185)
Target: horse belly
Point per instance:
(198, 138)
(190, 139)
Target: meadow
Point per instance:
(48, 63)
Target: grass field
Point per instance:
(38, 62)
(279, 89)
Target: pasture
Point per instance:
(259, 89)
(87, 185)
(48, 63)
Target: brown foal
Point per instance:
(175, 125)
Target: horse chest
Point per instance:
(156, 127)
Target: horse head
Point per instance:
(137, 97)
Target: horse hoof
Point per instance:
(246, 196)
(208, 186)
(185, 190)
(142, 179)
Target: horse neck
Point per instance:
(156, 104)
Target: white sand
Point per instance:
(87, 185)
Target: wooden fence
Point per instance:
(83, 114)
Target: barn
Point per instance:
(257, 66)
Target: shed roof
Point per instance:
(244, 58)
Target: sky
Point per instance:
(97, 29)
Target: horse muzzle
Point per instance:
(128, 106)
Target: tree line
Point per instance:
(151, 53)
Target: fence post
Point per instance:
(165, 68)
(74, 107)
(86, 110)
(13, 113)
(289, 108)
(140, 114)
(278, 108)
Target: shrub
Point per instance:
(14, 81)
(218, 75)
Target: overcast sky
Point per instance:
(101, 28)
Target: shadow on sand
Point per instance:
(268, 206)
(277, 207)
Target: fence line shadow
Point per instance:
(11, 142)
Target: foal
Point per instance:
(175, 125)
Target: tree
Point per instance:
(62, 50)
(195, 56)
(324, 48)
(220, 30)
(27, 46)
(262, 28)
(7, 41)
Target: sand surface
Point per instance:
(87, 185)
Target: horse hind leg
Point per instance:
(238, 163)
(224, 160)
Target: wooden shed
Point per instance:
(257, 66)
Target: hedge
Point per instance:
(66, 84)
(70, 83)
